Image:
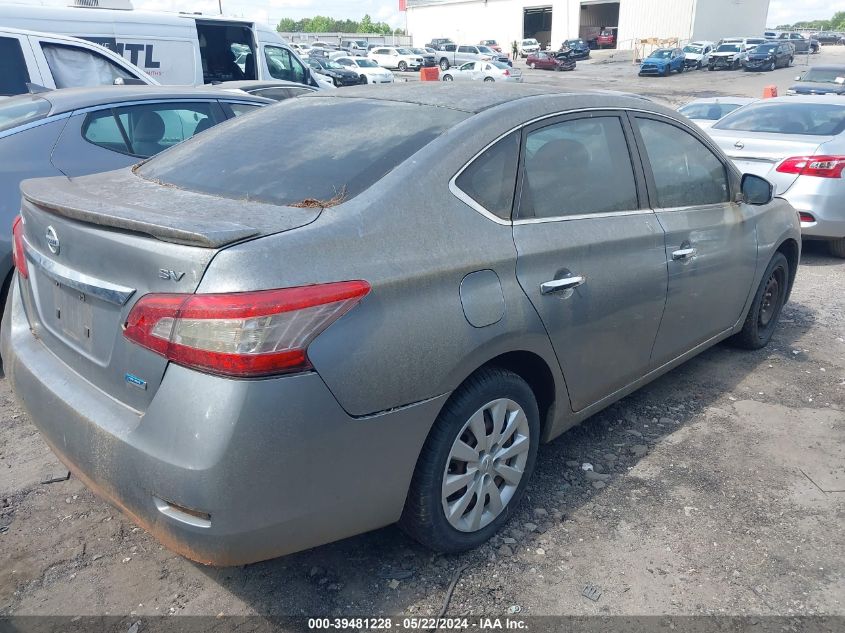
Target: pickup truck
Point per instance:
(801, 43)
(356, 48)
(457, 54)
(437, 42)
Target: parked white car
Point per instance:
(483, 71)
(368, 70)
(392, 57)
(705, 112)
(697, 54)
(528, 46)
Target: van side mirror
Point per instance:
(756, 190)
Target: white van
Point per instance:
(59, 61)
(174, 49)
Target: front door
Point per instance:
(711, 241)
(590, 254)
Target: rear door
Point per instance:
(590, 254)
(711, 241)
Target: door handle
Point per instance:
(683, 253)
(556, 285)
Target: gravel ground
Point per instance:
(718, 489)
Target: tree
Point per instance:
(366, 24)
(287, 25)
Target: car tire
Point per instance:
(791, 61)
(362, 79)
(773, 66)
(444, 64)
(666, 71)
(402, 66)
(837, 247)
(711, 68)
(532, 65)
(698, 65)
(447, 77)
(765, 310)
(489, 79)
(449, 451)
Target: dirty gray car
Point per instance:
(382, 322)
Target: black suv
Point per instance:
(437, 42)
(769, 56)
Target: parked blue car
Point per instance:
(663, 61)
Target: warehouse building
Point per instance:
(471, 21)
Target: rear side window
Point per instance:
(489, 180)
(22, 109)
(240, 109)
(74, 67)
(686, 173)
(146, 130)
(288, 162)
(13, 73)
(577, 167)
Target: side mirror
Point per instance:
(756, 190)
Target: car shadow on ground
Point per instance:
(386, 573)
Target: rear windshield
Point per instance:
(302, 151)
(812, 119)
(707, 111)
(767, 48)
(22, 109)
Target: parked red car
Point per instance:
(491, 44)
(548, 61)
(607, 38)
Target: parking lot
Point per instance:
(718, 489)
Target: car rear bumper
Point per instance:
(821, 198)
(224, 472)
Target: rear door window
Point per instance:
(13, 73)
(686, 172)
(75, 67)
(147, 129)
(577, 167)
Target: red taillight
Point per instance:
(819, 166)
(18, 255)
(806, 218)
(241, 334)
(507, 73)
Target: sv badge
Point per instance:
(171, 275)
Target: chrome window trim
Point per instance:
(33, 124)
(86, 284)
(584, 216)
(466, 199)
(126, 104)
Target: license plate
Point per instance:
(73, 313)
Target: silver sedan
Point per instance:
(483, 71)
(798, 144)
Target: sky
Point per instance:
(271, 11)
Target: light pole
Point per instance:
(220, 6)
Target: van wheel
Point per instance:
(475, 464)
(402, 67)
(837, 247)
(765, 310)
(444, 64)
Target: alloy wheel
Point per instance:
(485, 465)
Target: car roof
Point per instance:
(474, 98)
(67, 99)
(834, 99)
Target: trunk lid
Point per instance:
(93, 251)
(760, 153)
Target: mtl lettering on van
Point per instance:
(130, 51)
